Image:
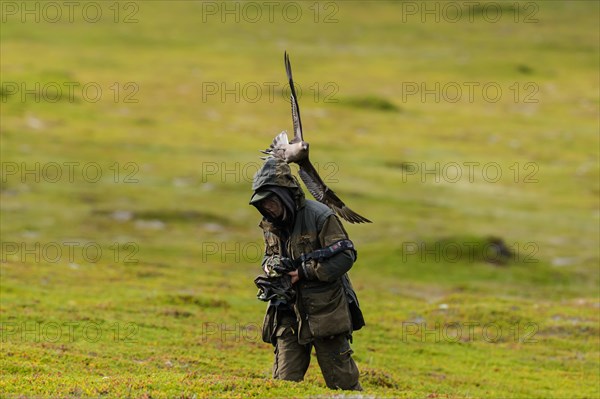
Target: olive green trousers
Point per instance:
(334, 356)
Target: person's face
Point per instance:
(273, 206)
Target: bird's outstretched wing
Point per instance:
(294, 101)
(324, 194)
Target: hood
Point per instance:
(276, 172)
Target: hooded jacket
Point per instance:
(325, 303)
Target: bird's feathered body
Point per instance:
(289, 151)
(296, 151)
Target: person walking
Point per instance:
(311, 300)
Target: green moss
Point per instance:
(169, 308)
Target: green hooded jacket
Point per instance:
(326, 303)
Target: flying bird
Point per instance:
(296, 151)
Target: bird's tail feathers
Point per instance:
(280, 139)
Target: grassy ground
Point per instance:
(130, 273)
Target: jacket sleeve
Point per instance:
(335, 267)
(271, 249)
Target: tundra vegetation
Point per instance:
(468, 134)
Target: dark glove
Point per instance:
(286, 265)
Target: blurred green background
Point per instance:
(129, 136)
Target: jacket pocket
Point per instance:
(327, 311)
(303, 244)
